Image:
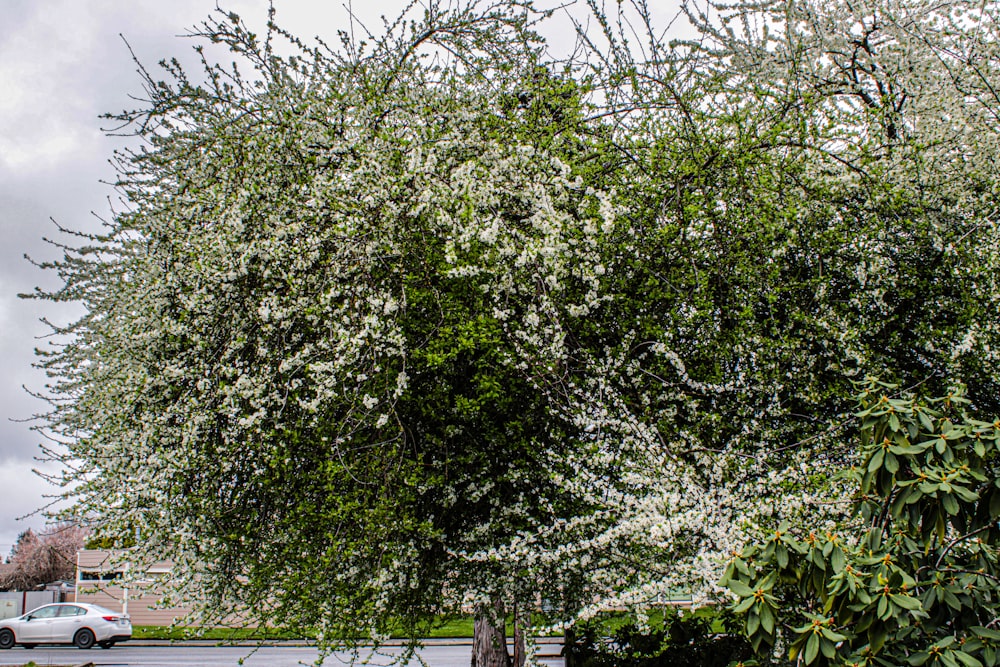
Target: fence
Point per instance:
(15, 603)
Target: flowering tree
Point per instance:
(442, 323)
(39, 559)
(327, 341)
(810, 206)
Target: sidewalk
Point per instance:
(547, 646)
(437, 641)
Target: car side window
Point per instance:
(71, 610)
(45, 612)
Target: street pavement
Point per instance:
(436, 653)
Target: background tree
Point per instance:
(26, 540)
(39, 559)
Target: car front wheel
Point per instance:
(84, 639)
(6, 638)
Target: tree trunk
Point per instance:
(520, 654)
(489, 638)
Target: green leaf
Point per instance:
(877, 634)
(950, 504)
(925, 421)
(837, 560)
(965, 495)
(905, 449)
(781, 553)
(740, 588)
(905, 601)
(883, 610)
(767, 583)
(988, 633)
(812, 649)
(979, 448)
(767, 619)
(875, 462)
(831, 635)
(948, 659)
(966, 659)
(928, 488)
(827, 649)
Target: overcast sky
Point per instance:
(63, 64)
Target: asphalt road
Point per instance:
(201, 655)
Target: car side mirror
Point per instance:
(28, 618)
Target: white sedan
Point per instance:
(82, 625)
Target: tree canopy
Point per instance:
(444, 321)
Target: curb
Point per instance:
(443, 641)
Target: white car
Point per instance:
(82, 625)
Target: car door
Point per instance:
(37, 627)
(66, 623)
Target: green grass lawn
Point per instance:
(452, 627)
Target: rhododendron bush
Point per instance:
(449, 320)
(913, 580)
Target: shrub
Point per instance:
(692, 639)
(914, 579)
